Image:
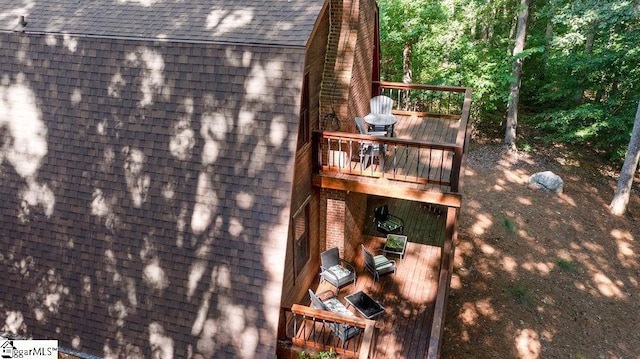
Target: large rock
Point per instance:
(546, 180)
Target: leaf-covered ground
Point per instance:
(540, 275)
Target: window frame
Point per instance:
(301, 241)
(304, 129)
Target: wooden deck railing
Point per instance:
(414, 161)
(403, 160)
(426, 100)
(308, 328)
(431, 101)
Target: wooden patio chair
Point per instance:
(381, 106)
(368, 150)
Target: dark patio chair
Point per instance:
(368, 150)
(377, 265)
(336, 270)
(386, 222)
(344, 332)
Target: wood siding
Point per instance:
(341, 51)
(294, 286)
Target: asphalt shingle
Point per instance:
(104, 101)
(280, 22)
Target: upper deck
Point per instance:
(421, 162)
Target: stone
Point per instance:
(546, 180)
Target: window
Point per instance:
(304, 131)
(300, 229)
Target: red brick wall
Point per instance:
(339, 61)
(346, 90)
(355, 216)
(333, 223)
(343, 223)
(336, 223)
(349, 62)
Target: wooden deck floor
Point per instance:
(416, 163)
(427, 129)
(408, 296)
(422, 224)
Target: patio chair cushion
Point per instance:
(340, 272)
(335, 306)
(343, 331)
(389, 226)
(382, 262)
(377, 265)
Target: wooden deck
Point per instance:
(427, 129)
(409, 295)
(420, 156)
(423, 224)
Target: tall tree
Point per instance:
(512, 110)
(403, 24)
(588, 93)
(620, 200)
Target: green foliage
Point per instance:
(521, 293)
(321, 355)
(567, 265)
(580, 76)
(509, 224)
(525, 147)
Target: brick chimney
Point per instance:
(343, 35)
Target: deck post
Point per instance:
(456, 167)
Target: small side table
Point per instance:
(364, 304)
(395, 244)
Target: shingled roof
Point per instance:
(280, 22)
(149, 179)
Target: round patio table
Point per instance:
(378, 122)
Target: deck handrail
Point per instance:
(431, 163)
(425, 100)
(317, 321)
(412, 86)
(413, 99)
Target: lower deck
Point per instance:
(408, 296)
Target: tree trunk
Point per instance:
(509, 143)
(588, 49)
(620, 200)
(548, 38)
(407, 70)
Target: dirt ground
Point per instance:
(541, 275)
